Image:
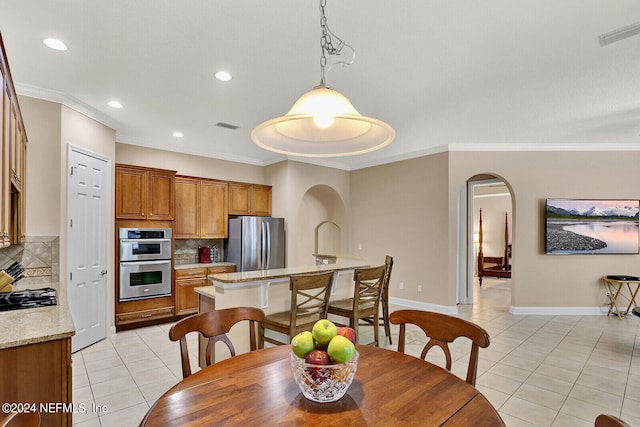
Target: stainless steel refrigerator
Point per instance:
(255, 243)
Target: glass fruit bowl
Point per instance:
(323, 383)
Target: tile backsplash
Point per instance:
(187, 250)
(40, 256)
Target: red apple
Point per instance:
(348, 333)
(317, 357)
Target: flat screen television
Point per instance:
(596, 226)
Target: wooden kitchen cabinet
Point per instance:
(249, 199)
(215, 210)
(37, 374)
(144, 193)
(186, 280)
(201, 208)
(13, 160)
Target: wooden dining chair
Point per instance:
(605, 420)
(309, 299)
(21, 419)
(365, 303)
(441, 330)
(384, 299)
(214, 325)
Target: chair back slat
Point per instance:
(442, 330)
(368, 287)
(310, 295)
(214, 325)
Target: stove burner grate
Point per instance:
(27, 298)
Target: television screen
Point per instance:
(576, 226)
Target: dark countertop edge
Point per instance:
(199, 265)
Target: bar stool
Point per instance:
(384, 299)
(365, 303)
(309, 299)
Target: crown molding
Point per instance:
(66, 100)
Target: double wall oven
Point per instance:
(145, 263)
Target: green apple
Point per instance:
(323, 330)
(302, 344)
(341, 349)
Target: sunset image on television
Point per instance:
(592, 226)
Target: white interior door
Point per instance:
(89, 183)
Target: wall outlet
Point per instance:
(401, 285)
(359, 246)
(419, 288)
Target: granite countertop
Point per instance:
(254, 276)
(199, 265)
(35, 325)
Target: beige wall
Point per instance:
(401, 209)
(42, 123)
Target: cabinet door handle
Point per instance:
(145, 316)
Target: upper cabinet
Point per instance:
(144, 193)
(249, 199)
(13, 165)
(201, 208)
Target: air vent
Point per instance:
(227, 125)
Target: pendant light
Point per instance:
(322, 122)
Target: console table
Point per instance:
(614, 288)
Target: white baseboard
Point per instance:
(420, 305)
(560, 311)
(543, 311)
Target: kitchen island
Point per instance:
(35, 355)
(268, 290)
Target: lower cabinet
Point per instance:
(186, 280)
(39, 374)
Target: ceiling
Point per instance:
(447, 75)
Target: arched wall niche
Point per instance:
(321, 223)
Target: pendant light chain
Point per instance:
(327, 44)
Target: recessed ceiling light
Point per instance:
(223, 76)
(54, 44)
(178, 134)
(114, 104)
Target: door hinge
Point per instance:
(72, 170)
(71, 223)
(71, 276)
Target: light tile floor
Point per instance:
(538, 370)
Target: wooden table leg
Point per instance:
(614, 297)
(633, 294)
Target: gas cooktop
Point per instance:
(27, 298)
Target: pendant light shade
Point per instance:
(322, 123)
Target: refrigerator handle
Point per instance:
(263, 242)
(268, 248)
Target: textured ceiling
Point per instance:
(455, 75)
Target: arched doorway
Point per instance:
(494, 196)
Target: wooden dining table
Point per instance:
(257, 388)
